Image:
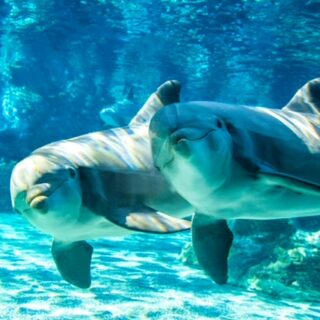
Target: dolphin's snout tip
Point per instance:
(37, 196)
(39, 203)
(22, 202)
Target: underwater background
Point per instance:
(68, 67)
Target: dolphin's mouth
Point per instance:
(189, 134)
(39, 193)
(179, 137)
(38, 202)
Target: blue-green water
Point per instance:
(136, 277)
(63, 61)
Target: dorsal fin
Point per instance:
(307, 99)
(167, 93)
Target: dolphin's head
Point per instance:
(46, 192)
(192, 147)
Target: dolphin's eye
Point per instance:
(219, 124)
(230, 127)
(72, 173)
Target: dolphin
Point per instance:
(239, 162)
(113, 115)
(96, 185)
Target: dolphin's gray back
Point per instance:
(121, 148)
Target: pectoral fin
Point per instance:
(211, 240)
(73, 261)
(156, 222)
(292, 183)
(145, 219)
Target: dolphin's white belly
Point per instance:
(255, 200)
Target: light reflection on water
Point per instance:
(137, 277)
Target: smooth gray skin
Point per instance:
(96, 185)
(239, 162)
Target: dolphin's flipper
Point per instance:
(211, 240)
(148, 220)
(276, 179)
(73, 261)
(156, 222)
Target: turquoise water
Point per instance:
(136, 277)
